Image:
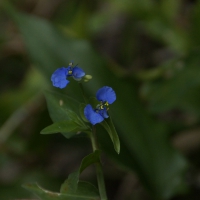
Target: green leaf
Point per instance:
(68, 128)
(63, 108)
(108, 125)
(70, 185)
(85, 191)
(81, 110)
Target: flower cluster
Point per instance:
(106, 96)
(59, 77)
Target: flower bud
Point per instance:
(87, 77)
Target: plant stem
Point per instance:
(98, 166)
(83, 93)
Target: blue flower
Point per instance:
(106, 95)
(59, 77)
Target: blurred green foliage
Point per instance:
(146, 50)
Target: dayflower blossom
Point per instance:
(106, 95)
(59, 77)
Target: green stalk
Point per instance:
(98, 166)
(83, 93)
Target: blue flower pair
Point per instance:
(59, 77)
(106, 95)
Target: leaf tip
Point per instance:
(118, 150)
(42, 131)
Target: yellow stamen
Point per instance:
(70, 72)
(101, 107)
(106, 103)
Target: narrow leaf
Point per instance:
(85, 191)
(108, 125)
(70, 185)
(65, 127)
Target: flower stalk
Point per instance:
(83, 93)
(98, 167)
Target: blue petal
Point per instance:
(106, 94)
(58, 78)
(78, 72)
(104, 113)
(92, 116)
